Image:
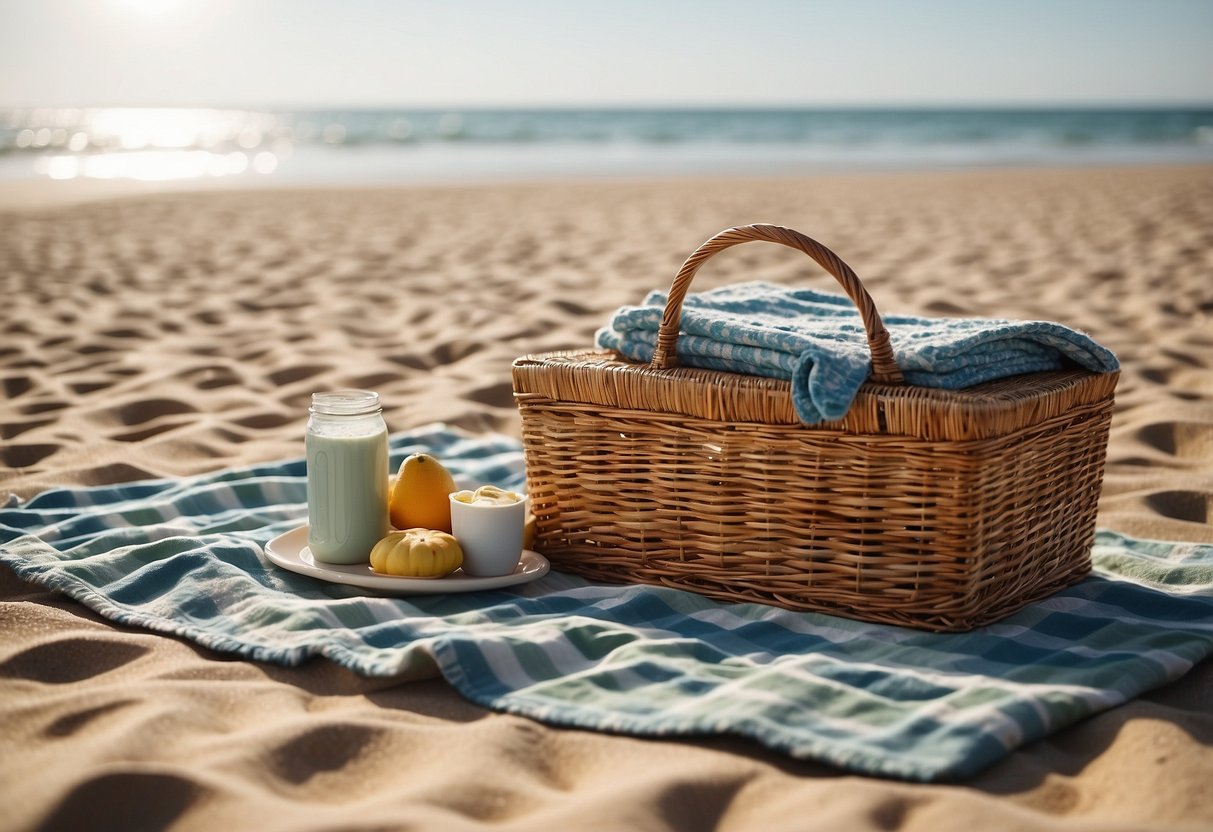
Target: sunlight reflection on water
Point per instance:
(416, 146)
(150, 144)
(155, 165)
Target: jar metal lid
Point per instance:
(345, 403)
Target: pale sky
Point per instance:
(366, 53)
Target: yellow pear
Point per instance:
(420, 495)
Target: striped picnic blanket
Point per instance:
(184, 557)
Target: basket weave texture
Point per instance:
(941, 510)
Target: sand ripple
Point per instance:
(180, 333)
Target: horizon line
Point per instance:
(690, 106)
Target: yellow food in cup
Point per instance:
(488, 494)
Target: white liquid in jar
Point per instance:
(347, 499)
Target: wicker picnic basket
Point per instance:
(935, 509)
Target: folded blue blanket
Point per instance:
(184, 557)
(817, 340)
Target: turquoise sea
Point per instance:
(402, 146)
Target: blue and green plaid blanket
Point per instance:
(184, 557)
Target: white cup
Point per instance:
(490, 534)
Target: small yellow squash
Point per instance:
(417, 553)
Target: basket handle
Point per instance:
(884, 368)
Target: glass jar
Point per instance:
(347, 475)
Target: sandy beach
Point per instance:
(170, 334)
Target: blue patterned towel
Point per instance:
(184, 557)
(817, 340)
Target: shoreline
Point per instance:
(35, 194)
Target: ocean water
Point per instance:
(427, 146)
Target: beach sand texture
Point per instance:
(172, 334)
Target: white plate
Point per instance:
(290, 551)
